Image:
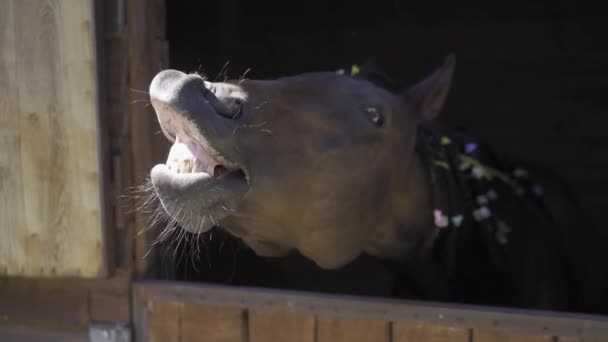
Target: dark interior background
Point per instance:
(530, 77)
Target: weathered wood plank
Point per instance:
(109, 307)
(56, 308)
(405, 332)
(281, 326)
(335, 329)
(163, 324)
(49, 149)
(11, 207)
(502, 336)
(31, 333)
(275, 303)
(580, 339)
(212, 324)
(73, 302)
(146, 57)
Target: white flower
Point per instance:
(478, 172)
(457, 220)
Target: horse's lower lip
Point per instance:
(194, 199)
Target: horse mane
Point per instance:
(374, 74)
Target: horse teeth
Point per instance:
(188, 165)
(198, 166)
(188, 156)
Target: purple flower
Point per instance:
(470, 147)
(538, 190)
(492, 195)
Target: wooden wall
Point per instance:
(64, 307)
(184, 312)
(51, 209)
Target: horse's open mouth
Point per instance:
(197, 185)
(191, 152)
(188, 159)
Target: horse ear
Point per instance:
(429, 95)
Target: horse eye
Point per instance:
(375, 116)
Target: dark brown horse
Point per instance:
(335, 166)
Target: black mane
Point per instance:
(373, 73)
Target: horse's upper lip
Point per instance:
(191, 150)
(187, 91)
(191, 115)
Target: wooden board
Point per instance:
(53, 308)
(32, 333)
(225, 313)
(406, 332)
(163, 321)
(51, 204)
(171, 320)
(335, 329)
(147, 55)
(212, 324)
(281, 326)
(502, 336)
(580, 339)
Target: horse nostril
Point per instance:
(222, 98)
